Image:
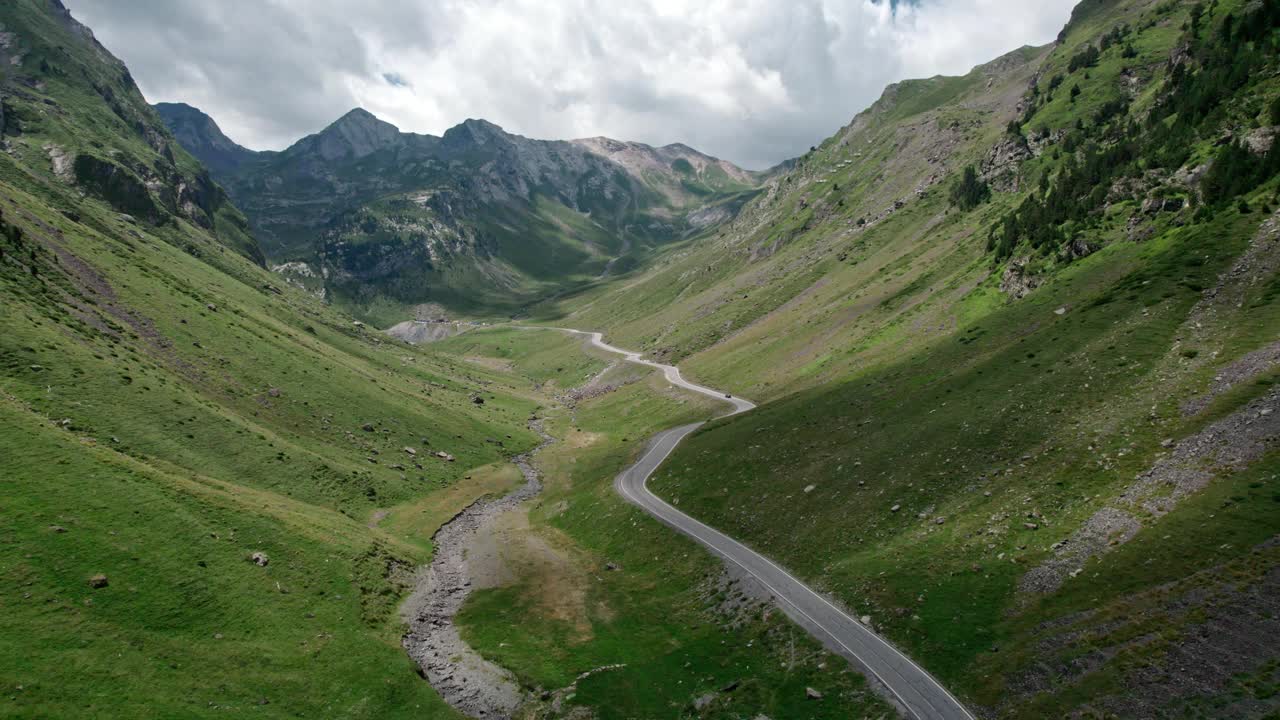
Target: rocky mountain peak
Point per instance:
(474, 131)
(201, 136)
(355, 135)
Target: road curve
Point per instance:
(916, 693)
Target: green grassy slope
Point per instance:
(825, 270)
(72, 114)
(949, 441)
(198, 436)
(621, 592)
(167, 409)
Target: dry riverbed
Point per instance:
(463, 678)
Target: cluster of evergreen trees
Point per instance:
(1193, 106)
(969, 192)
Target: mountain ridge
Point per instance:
(348, 211)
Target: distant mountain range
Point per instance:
(477, 220)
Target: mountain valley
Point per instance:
(274, 423)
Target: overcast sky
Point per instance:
(752, 81)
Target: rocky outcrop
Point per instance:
(1000, 166)
(1017, 281)
(202, 137)
(1260, 140)
(122, 189)
(353, 136)
(421, 218)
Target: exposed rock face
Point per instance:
(118, 186)
(421, 218)
(353, 136)
(146, 176)
(1260, 140)
(1017, 282)
(1078, 248)
(1000, 166)
(202, 137)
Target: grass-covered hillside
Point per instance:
(586, 597)
(73, 116)
(1024, 420)
(193, 451)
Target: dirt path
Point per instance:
(467, 681)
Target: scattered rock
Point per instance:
(702, 702)
(1031, 526)
(274, 392)
(411, 451)
(98, 581)
(810, 488)
(212, 307)
(895, 508)
(940, 521)
(812, 694)
(444, 456)
(367, 427)
(57, 529)
(260, 559)
(611, 565)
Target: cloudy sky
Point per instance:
(753, 81)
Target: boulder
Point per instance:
(1260, 140)
(1079, 248)
(98, 581)
(259, 558)
(1017, 281)
(812, 694)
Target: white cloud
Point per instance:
(755, 81)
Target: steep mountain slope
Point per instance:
(191, 451)
(1035, 439)
(216, 488)
(477, 220)
(202, 137)
(55, 129)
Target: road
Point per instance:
(916, 693)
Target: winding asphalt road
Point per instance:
(916, 693)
